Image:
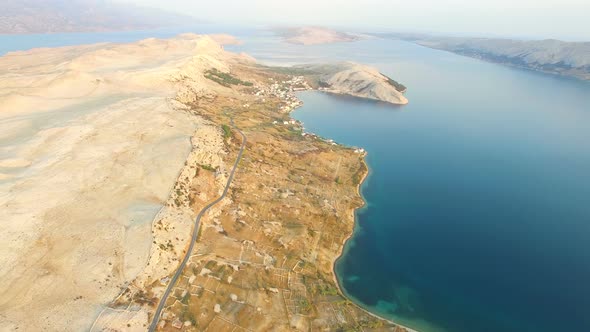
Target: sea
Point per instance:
(477, 215)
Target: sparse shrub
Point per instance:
(208, 168)
(226, 131)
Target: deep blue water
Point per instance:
(478, 214)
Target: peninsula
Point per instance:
(109, 153)
(356, 80)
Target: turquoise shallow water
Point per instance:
(478, 214)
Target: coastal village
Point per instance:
(285, 91)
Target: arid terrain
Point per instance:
(109, 151)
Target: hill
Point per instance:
(548, 55)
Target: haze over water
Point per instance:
(478, 202)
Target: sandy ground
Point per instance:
(92, 141)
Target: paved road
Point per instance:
(178, 273)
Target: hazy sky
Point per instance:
(565, 19)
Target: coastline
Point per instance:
(353, 214)
(350, 235)
(343, 94)
(336, 92)
(484, 58)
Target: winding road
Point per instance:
(182, 265)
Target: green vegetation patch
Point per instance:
(305, 305)
(185, 298)
(226, 131)
(358, 175)
(295, 71)
(208, 168)
(328, 290)
(398, 86)
(210, 265)
(225, 79)
(293, 225)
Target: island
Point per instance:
(549, 55)
(313, 35)
(111, 151)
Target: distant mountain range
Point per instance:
(46, 16)
(549, 55)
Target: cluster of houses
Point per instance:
(285, 91)
(296, 125)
